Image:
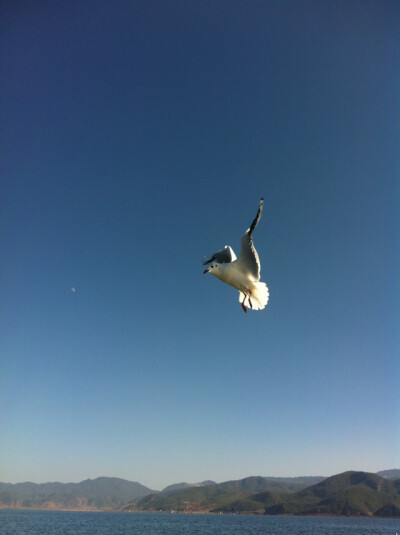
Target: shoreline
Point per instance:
(116, 511)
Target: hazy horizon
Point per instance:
(138, 137)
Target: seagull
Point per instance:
(242, 273)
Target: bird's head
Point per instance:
(211, 267)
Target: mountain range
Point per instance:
(100, 493)
(350, 493)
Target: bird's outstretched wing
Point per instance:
(223, 256)
(248, 259)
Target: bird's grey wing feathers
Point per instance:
(223, 256)
(248, 258)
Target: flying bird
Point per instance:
(242, 273)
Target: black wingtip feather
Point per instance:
(257, 218)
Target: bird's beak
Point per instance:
(206, 270)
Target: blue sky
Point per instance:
(138, 137)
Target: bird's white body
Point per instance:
(254, 290)
(231, 274)
(242, 273)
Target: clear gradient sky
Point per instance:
(139, 136)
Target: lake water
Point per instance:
(78, 523)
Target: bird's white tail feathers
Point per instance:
(258, 298)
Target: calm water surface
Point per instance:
(68, 523)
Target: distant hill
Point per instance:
(350, 493)
(218, 496)
(184, 485)
(100, 493)
(390, 474)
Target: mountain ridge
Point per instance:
(349, 493)
(184, 485)
(90, 494)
